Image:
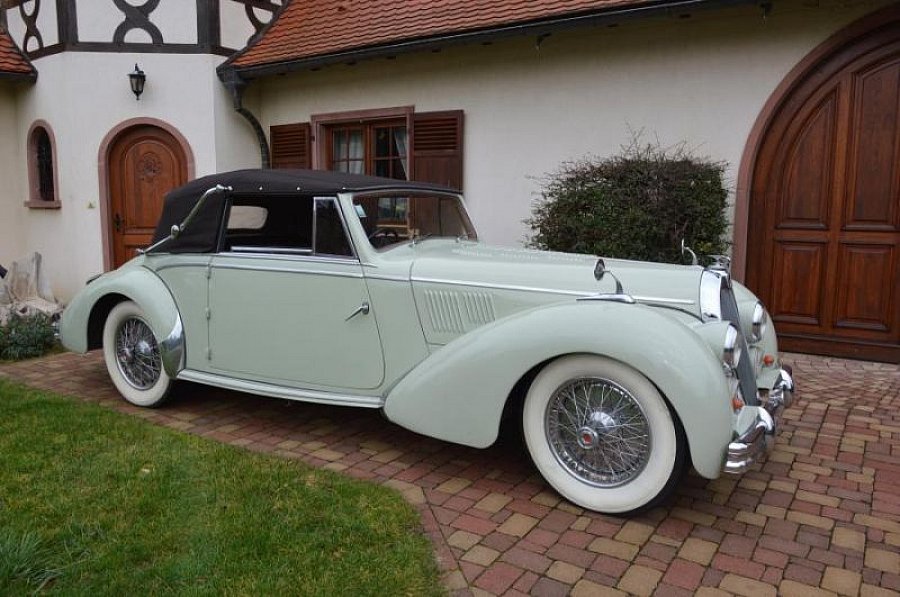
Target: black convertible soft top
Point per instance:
(201, 235)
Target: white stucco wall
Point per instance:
(12, 181)
(176, 20)
(181, 90)
(236, 26)
(701, 80)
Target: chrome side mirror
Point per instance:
(687, 249)
(600, 271)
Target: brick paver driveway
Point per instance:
(822, 516)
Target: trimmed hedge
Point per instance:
(639, 205)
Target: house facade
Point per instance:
(800, 100)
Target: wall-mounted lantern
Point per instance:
(137, 78)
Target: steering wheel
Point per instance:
(384, 236)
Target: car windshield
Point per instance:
(391, 219)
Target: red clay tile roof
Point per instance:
(310, 28)
(12, 60)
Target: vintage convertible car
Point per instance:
(375, 293)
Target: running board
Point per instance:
(276, 391)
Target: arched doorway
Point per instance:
(143, 162)
(823, 248)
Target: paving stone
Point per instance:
(586, 588)
(698, 550)
(493, 502)
(564, 572)
(748, 587)
(635, 533)
(640, 580)
(844, 537)
(880, 559)
(498, 577)
(463, 540)
(842, 582)
(616, 549)
(481, 555)
(790, 588)
(684, 574)
(518, 525)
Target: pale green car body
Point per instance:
(440, 334)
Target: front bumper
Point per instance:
(759, 439)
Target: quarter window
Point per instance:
(286, 225)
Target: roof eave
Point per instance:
(19, 77)
(537, 28)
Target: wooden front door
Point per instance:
(145, 163)
(824, 229)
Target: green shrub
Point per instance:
(639, 204)
(26, 336)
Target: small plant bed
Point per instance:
(27, 337)
(93, 502)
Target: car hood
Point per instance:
(485, 266)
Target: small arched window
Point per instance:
(42, 167)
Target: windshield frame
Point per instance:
(381, 193)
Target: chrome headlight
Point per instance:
(759, 322)
(731, 351)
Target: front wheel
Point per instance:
(602, 435)
(133, 358)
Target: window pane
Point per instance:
(340, 147)
(45, 166)
(330, 236)
(382, 142)
(357, 151)
(391, 220)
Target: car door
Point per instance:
(284, 312)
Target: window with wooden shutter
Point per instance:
(437, 148)
(291, 145)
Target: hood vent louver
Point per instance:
(458, 312)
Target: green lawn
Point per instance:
(93, 502)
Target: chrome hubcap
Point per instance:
(137, 354)
(598, 432)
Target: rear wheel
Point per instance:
(602, 435)
(133, 358)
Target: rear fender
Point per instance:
(87, 312)
(458, 393)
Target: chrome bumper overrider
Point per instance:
(760, 438)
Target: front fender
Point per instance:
(458, 393)
(87, 313)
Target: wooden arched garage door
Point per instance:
(824, 230)
(145, 163)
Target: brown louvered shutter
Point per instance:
(291, 145)
(437, 148)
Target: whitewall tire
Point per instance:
(133, 358)
(602, 435)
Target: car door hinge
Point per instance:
(208, 271)
(208, 354)
(208, 314)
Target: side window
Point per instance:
(331, 238)
(274, 224)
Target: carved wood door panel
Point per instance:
(145, 163)
(824, 251)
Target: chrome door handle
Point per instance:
(363, 308)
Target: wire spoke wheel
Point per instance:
(598, 431)
(133, 356)
(137, 354)
(602, 434)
